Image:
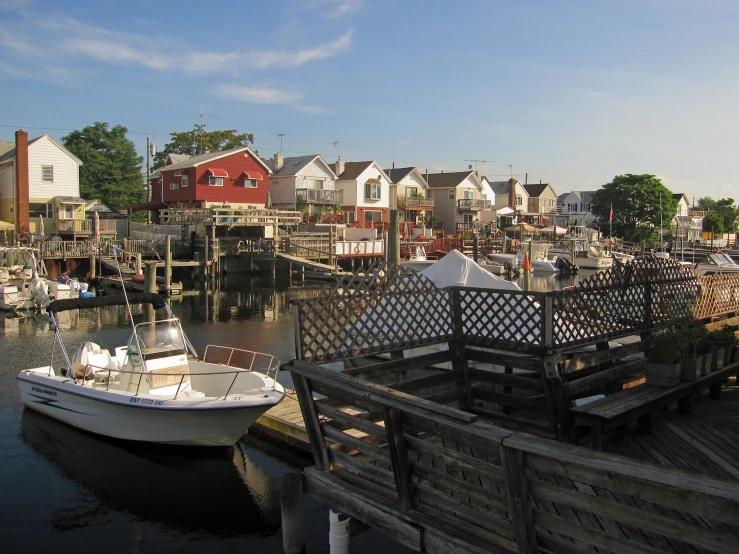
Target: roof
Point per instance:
(679, 196)
(396, 174)
(501, 187)
(587, 195)
(195, 161)
(447, 180)
(536, 190)
(294, 165)
(10, 153)
(352, 170)
(70, 200)
(176, 158)
(6, 145)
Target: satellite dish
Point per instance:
(469, 167)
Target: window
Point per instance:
(519, 200)
(250, 183)
(586, 206)
(50, 210)
(551, 202)
(372, 191)
(469, 195)
(68, 211)
(47, 173)
(312, 183)
(468, 218)
(451, 194)
(184, 181)
(40, 209)
(215, 181)
(410, 191)
(174, 185)
(484, 196)
(373, 216)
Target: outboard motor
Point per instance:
(565, 266)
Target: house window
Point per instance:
(373, 216)
(469, 218)
(215, 181)
(184, 181)
(519, 200)
(551, 202)
(484, 196)
(250, 183)
(47, 173)
(174, 185)
(316, 184)
(571, 207)
(50, 210)
(372, 191)
(451, 194)
(410, 191)
(469, 195)
(68, 211)
(586, 206)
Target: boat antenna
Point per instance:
(116, 250)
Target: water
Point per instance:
(63, 490)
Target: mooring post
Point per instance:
(205, 259)
(167, 263)
(393, 241)
(291, 503)
(93, 264)
(339, 533)
(150, 285)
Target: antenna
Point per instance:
(282, 135)
(511, 166)
(485, 161)
(336, 144)
(202, 126)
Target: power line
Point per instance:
(63, 129)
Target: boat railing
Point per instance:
(243, 359)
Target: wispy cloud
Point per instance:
(330, 8)
(257, 95)
(316, 110)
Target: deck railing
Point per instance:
(319, 196)
(233, 217)
(415, 203)
(433, 474)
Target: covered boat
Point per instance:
(155, 388)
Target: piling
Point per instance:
(167, 262)
(150, 285)
(393, 242)
(291, 502)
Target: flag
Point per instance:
(610, 217)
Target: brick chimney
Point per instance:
(512, 193)
(339, 166)
(278, 161)
(21, 182)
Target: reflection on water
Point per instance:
(545, 282)
(176, 487)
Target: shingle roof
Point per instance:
(10, 153)
(396, 174)
(500, 187)
(587, 195)
(447, 180)
(292, 166)
(536, 190)
(70, 200)
(176, 158)
(352, 170)
(202, 158)
(5, 146)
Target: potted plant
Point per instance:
(724, 343)
(694, 353)
(663, 353)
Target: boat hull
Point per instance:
(194, 421)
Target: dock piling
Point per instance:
(291, 502)
(167, 263)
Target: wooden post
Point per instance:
(93, 266)
(167, 263)
(519, 500)
(393, 242)
(330, 244)
(291, 505)
(205, 259)
(399, 456)
(125, 251)
(475, 245)
(312, 423)
(150, 285)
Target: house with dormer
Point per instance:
(542, 203)
(457, 200)
(366, 193)
(306, 183)
(237, 178)
(687, 224)
(414, 202)
(573, 208)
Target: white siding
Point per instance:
(411, 180)
(316, 170)
(66, 171)
(282, 188)
(372, 172)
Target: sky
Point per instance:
(570, 93)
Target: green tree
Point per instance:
(199, 141)
(635, 200)
(726, 210)
(111, 170)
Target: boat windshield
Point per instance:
(159, 339)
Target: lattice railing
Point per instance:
(719, 294)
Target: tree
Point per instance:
(199, 141)
(111, 169)
(714, 223)
(726, 210)
(635, 200)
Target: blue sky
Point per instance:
(571, 92)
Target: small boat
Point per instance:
(718, 262)
(23, 285)
(155, 388)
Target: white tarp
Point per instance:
(557, 230)
(456, 269)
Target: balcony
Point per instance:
(415, 203)
(319, 196)
(79, 227)
(473, 205)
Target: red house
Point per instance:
(238, 177)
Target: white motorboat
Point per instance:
(155, 388)
(718, 262)
(22, 279)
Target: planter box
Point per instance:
(663, 375)
(734, 354)
(693, 368)
(718, 359)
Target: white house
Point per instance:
(413, 193)
(573, 208)
(302, 181)
(52, 178)
(457, 199)
(366, 192)
(517, 198)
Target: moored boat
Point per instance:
(155, 388)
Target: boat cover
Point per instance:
(114, 300)
(457, 270)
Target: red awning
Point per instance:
(217, 173)
(251, 175)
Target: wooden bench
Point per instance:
(640, 402)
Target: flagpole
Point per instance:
(610, 223)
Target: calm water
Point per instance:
(62, 490)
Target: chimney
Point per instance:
(339, 166)
(21, 183)
(512, 193)
(279, 162)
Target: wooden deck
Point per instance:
(705, 441)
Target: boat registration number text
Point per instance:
(146, 401)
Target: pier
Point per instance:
(447, 418)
